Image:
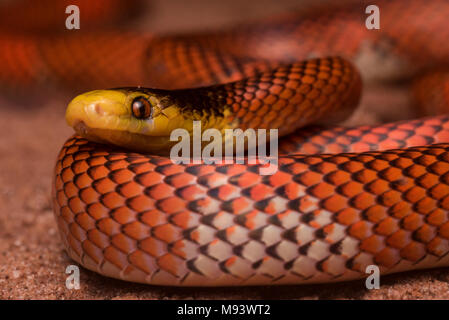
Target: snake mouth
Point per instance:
(133, 141)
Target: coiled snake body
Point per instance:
(337, 203)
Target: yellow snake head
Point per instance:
(135, 118)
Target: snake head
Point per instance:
(135, 118)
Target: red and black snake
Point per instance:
(342, 198)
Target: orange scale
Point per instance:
(321, 190)
(137, 230)
(427, 181)
(375, 213)
(255, 105)
(121, 176)
(172, 264)
(104, 186)
(339, 177)
(371, 138)
(335, 203)
(98, 238)
(171, 169)
(328, 89)
(74, 245)
(77, 232)
(372, 244)
(76, 205)
(270, 99)
(171, 205)
(363, 201)
(123, 215)
(279, 178)
(116, 257)
(360, 230)
(79, 167)
(67, 215)
(130, 190)
(67, 161)
(425, 233)
(444, 203)
(226, 192)
(139, 168)
(310, 160)
(413, 251)
(189, 193)
(149, 178)
(360, 146)
(310, 148)
(153, 246)
(348, 216)
(398, 134)
(184, 219)
(297, 99)
(379, 165)
(118, 164)
(292, 190)
(387, 227)
(313, 95)
(351, 189)
(387, 257)
(439, 168)
(113, 200)
(167, 232)
(71, 190)
(276, 89)
(326, 167)
(439, 191)
(343, 140)
(261, 94)
(89, 195)
(260, 192)
(425, 205)
(92, 251)
(85, 221)
(246, 179)
(400, 210)
(180, 180)
(98, 172)
(142, 261)
(67, 175)
(378, 187)
(437, 217)
(83, 180)
(334, 148)
(309, 178)
(247, 117)
(245, 104)
(438, 247)
(416, 171)
(443, 230)
(390, 198)
(264, 110)
(399, 239)
(109, 226)
(442, 136)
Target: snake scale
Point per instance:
(342, 198)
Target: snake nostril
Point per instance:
(98, 109)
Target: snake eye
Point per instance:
(141, 108)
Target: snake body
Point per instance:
(342, 198)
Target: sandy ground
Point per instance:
(32, 259)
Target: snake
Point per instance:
(342, 199)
